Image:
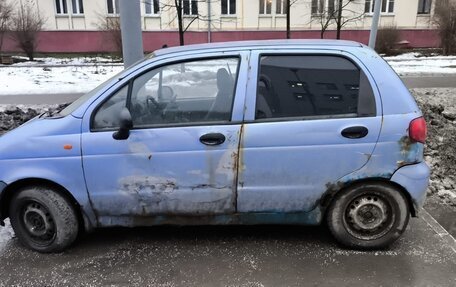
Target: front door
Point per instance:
(312, 119)
(181, 155)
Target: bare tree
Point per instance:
(6, 11)
(186, 9)
(25, 25)
(335, 12)
(289, 4)
(345, 14)
(111, 26)
(445, 18)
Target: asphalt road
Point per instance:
(31, 99)
(234, 256)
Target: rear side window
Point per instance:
(312, 86)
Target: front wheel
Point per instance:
(43, 220)
(368, 216)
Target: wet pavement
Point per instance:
(233, 256)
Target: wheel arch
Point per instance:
(336, 189)
(9, 190)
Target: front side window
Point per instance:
(387, 6)
(113, 6)
(152, 6)
(228, 7)
(312, 87)
(107, 115)
(424, 6)
(189, 7)
(183, 93)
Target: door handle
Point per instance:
(212, 139)
(356, 132)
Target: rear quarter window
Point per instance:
(312, 86)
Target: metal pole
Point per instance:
(375, 20)
(130, 25)
(209, 18)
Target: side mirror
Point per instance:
(126, 124)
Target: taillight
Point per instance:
(418, 130)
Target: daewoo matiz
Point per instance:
(264, 132)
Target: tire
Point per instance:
(368, 216)
(43, 220)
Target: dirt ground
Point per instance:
(438, 106)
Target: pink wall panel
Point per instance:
(98, 41)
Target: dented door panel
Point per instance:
(287, 166)
(162, 171)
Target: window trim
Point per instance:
(423, 11)
(62, 4)
(190, 7)
(171, 125)
(228, 8)
(78, 8)
(318, 117)
(371, 10)
(152, 8)
(114, 9)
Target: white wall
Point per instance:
(247, 16)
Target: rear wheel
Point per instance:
(368, 216)
(43, 220)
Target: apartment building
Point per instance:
(75, 25)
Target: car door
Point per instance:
(181, 155)
(312, 117)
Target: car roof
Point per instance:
(258, 44)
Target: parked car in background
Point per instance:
(263, 132)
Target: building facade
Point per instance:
(224, 20)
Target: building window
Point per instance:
(190, 7)
(323, 7)
(281, 7)
(152, 6)
(61, 7)
(265, 7)
(424, 6)
(228, 7)
(77, 6)
(113, 6)
(387, 6)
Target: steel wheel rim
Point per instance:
(38, 223)
(369, 217)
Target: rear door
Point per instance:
(312, 117)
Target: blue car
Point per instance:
(266, 132)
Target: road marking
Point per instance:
(438, 229)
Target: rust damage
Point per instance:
(406, 144)
(331, 189)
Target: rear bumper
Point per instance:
(415, 179)
(2, 188)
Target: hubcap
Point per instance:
(368, 217)
(38, 222)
